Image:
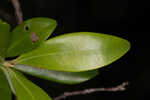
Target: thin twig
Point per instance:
(121, 87)
(18, 11)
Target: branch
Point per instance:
(18, 11)
(120, 87)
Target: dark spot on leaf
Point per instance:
(34, 37)
(27, 28)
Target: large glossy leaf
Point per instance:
(76, 52)
(4, 38)
(5, 91)
(25, 89)
(29, 35)
(58, 76)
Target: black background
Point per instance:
(116, 17)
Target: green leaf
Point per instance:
(5, 91)
(58, 76)
(29, 35)
(76, 52)
(4, 38)
(25, 89)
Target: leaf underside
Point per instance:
(58, 76)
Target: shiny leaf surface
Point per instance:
(25, 89)
(76, 52)
(29, 35)
(58, 76)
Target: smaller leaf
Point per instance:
(25, 89)
(29, 35)
(5, 91)
(58, 76)
(4, 38)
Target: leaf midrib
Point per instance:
(42, 55)
(27, 90)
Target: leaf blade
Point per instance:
(58, 76)
(4, 38)
(76, 52)
(5, 91)
(29, 35)
(25, 89)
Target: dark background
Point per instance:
(116, 17)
